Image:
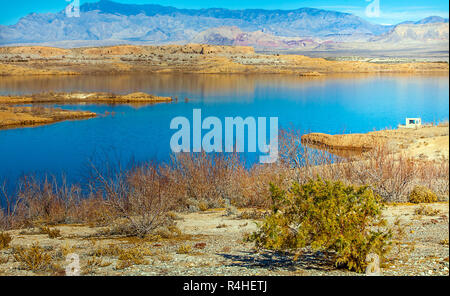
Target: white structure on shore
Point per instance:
(412, 123)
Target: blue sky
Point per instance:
(391, 11)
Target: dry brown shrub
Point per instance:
(5, 239)
(426, 211)
(52, 233)
(202, 177)
(34, 258)
(138, 196)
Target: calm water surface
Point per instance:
(330, 105)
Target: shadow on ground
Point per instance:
(280, 261)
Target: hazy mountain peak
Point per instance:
(111, 22)
(428, 20)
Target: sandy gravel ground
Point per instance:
(217, 248)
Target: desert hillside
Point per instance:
(190, 58)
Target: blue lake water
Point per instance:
(338, 104)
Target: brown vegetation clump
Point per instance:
(5, 239)
(52, 233)
(133, 256)
(184, 249)
(11, 117)
(126, 256)
(421, 194)
(426, 211)
(34, 258)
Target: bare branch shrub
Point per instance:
(390, 175)
(138, 196)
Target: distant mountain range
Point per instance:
(427, 20)
(258, 39)
(432, 35)
(417, 32)
(107, 22)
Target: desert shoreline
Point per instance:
(22, 117)
(430, 141)
(13, 113)
(190, 58)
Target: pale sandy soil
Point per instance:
(431, 148)
(191, 58)
(7, 69)
(426, 143)
(218, 248)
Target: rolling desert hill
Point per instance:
(415, 33)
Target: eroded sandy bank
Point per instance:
(428, 142)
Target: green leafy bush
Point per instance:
(421, 194)
(341, 221)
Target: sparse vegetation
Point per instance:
(97, 262)
(52, 233)
(426, 211)
(109, 250)
(165, 257)
(66, 249)
(133, 256)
